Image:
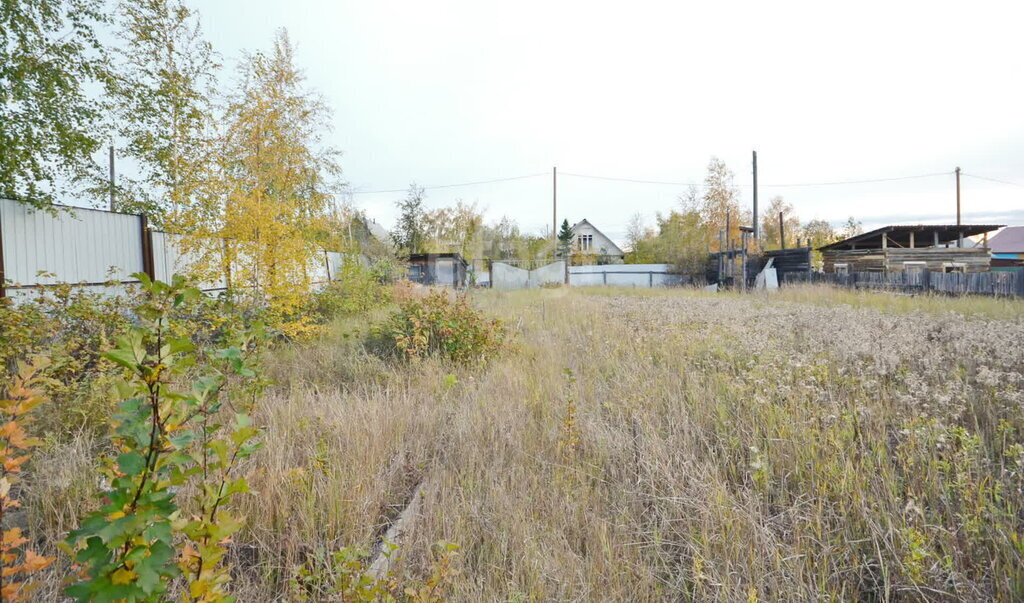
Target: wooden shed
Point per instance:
(937, 248)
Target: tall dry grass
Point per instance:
(705, 447)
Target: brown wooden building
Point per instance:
(937, 248)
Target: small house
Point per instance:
(1008, 250)
(937, 248)
(447, 269)
(588, 240)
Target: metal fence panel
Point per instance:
(90, 247)
(170, 258)
(624, 275)
(76, 245)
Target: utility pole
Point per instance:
(728, 244)
(554, 205)
(743, 259)
(111, 177)
(757, 228)
(782, 232)
(721, 257)
(960, 240)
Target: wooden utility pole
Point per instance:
(728, 242)
(782, 232)
(554, 205)
(756, 227)
(111, 177)
(960, 240)
(148, 265)
(721, 256)
(743, 258)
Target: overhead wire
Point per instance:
(676, 183)
(435, 186)
(992, 179)
(839, 182)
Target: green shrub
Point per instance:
(73, 328)
(346, 576)
(70, 325)
(358, 289)
(170, 432)
(439, 326)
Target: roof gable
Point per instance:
(615, 250)
(1008, 240)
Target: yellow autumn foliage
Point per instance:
(271, 217)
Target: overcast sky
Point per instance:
(455, 91)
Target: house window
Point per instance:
(957, 267)
(586, 242)
(914, 267)
(842, 269)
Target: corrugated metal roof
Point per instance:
(900, 235)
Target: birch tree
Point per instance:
(48, 54)
(720, 203)
(408, 235)
(278, 177)
(770, 233)
(455, 229)
(162, 95)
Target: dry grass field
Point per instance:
(672, 445)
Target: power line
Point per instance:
(429, 188)
(674, 183)
(862, 181)
(632, 180)
(667, 183)
(993, 179)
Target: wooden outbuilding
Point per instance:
(914, 248)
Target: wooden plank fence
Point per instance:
(1004, 284)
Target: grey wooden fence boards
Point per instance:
(954, 283)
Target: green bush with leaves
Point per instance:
(21, 394)
(168, 438)
(437, 325)
(357, 289)
(72, 327)
(346, 576)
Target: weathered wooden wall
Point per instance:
(981, 283)
(892, 259)
(788, 261)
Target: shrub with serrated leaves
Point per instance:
(23, 394)
(347, 576)
(72, 327)
(437, 325)
(356, 289)
(168, 437)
